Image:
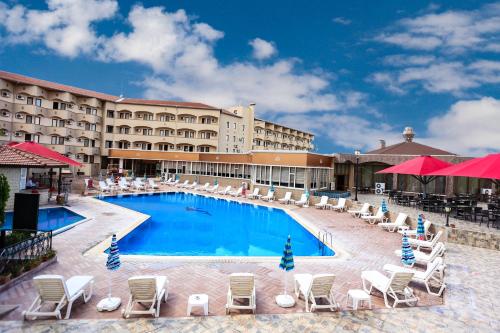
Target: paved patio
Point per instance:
(363, 247)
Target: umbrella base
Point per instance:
(285, 301)
(109, 304)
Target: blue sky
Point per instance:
(351, 72)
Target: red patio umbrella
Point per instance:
(43, 151)
(482, 167)
(420, 168)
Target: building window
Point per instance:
(32, 137)
(227, 137)
(227, 124)
(110, 114)
(57, 140)
(57, 122)
(108, 144)
(234, 125)
(109, 129)
(29, 100)
(38, 102)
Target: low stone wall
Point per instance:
(473, 238)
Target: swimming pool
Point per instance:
(184, 224)
(49, 218)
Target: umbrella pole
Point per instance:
(109, 285)
(285, 281)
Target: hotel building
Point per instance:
(88, 125)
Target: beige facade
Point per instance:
(84, 124)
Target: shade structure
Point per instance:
(407, 256)
(113, 263)
(420, 168)
(482, 167)
(43, 151)
(384, 206)
(420, 227)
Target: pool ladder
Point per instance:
(323, 237)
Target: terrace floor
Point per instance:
(471, 297)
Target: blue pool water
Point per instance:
(193, 225)
(50, 218)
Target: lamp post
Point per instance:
(447, 210)
(357, 153)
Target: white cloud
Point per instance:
(469, 127)
(405, 60)
(387, 80)
(262, 49)
(341, 20)
(65, 27)
(451, 31)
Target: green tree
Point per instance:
(4, 196)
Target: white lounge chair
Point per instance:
(175, 182)
(237, 193)
(286, 199)
(395, 286)
(241, 286)
(202, 188)
(413, 232)
(104, 187)
(226, 190)
(365, 209)
(323, 202)
(192, 186)
(378, 217)
(392, 227)
(303, 201)
(153, 185)
(52, 289)
(186, 182)
(425, 258)
(110, 183)
(269, 196)
(421, 244)
(166, 181)
(340, 206)
(312, 287)
(138, 185)
(146, 289)
(213, 189)
(254, 194)
(123, 187)
(433, 277)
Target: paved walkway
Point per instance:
(470, 300)
(471, 306)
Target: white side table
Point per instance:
(198, 300)
(358, 296)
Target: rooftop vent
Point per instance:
(382, 143)
(408, 134)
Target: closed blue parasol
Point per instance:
(384, 206)
(113, 263)
(407, 256)
(420, 227)
(286, 264)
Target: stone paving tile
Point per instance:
(471, 298)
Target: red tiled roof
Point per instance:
(12, 157)
(54, 86)
(409, 148)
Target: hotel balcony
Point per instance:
(63, 114)
(29, 128)
(61, 131)
(90, 118)
(61, 149)
(88, 134)
(84, 150)
(31, 109)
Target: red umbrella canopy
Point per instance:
(482, 167)
(43, 151)
(420, 166)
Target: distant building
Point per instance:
(85, 124)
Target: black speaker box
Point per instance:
(26, 211)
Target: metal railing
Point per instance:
(32, 248)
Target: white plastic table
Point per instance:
(198, 300)
(358, 296)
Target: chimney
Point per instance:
(382, 144)
(408, 134)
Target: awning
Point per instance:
(43, 151)
(12, 157)
(420, 166)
